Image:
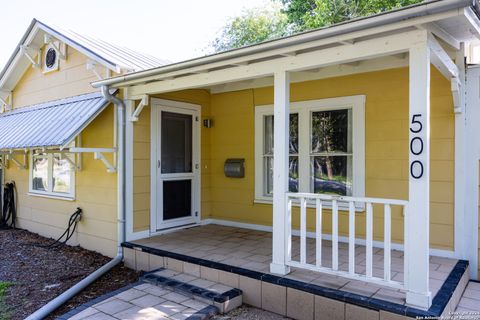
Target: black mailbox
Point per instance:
(234, 168)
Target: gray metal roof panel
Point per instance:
(50, 124)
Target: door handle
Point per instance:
(158, 164)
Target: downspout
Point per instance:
(73, 291)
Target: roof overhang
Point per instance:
(52, 124)
(452, 21)
(34, 38)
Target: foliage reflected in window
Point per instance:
(52, 174)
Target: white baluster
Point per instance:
(334, 235)
(289, 230)
(303, 230)
(369, 244)
(351, 237)
(387, 240)
(318, 231)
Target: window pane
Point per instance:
(331, 131)
(292, 175)
(332, 175)
(40, 173)
(176, 142)
(61, 175)
(268, 134)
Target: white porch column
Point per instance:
(417, 241)
(280, 173)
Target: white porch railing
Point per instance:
(349, 204)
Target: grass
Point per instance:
(5, 311)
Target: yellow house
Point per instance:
(376, 159)
(48, 108)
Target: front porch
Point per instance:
(241, 258)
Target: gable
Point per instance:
(71, 79)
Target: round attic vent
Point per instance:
(50, 58)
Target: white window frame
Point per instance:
(304, 110)
(51, 194)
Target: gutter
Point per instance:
(77, 288)
(388, 17)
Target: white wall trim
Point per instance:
(195, 111)
(296, 232)
(469, 222)
(303, 109)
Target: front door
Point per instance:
(177, 166)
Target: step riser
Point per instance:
(224, 302)
(281, 299)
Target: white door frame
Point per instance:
(176, 107)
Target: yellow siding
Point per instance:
(95, 193)
(71, 79)
(95, 188)
(141, 164)
(386, 148)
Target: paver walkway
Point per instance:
(143, 302)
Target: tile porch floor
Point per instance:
(251, 249)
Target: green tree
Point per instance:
(253, 26)
(284, 17)
(311, 14)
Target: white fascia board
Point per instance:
(277, 47)
(473, 21)
(384, 63)
(79, 47)
(367, 49)
(15, 70)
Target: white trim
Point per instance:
(461, 217)
(361, 50)
(50, 194)
(304, 108)
(468, 222)
(178, 107)
(296, 232)
(130, 233)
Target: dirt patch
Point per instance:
(37, 275)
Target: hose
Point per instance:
(68, 233)
(9, 212)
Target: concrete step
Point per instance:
(222, 297)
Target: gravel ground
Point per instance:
(249, 313)
(39, 274)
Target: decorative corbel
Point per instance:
(136, 113)
(48, 39)
(27, 51)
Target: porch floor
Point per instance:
(252, 250)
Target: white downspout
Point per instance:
(67, 295)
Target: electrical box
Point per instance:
(234, 168)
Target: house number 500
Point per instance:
(416, 147)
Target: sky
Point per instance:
(171, 29)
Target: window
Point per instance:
(52, 174)
(327, 155)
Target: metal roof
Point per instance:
(123, 58)
(116, 58)
(50, 124)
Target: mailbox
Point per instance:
(234, 168)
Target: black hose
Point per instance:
(9, 212)
(68, 233)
